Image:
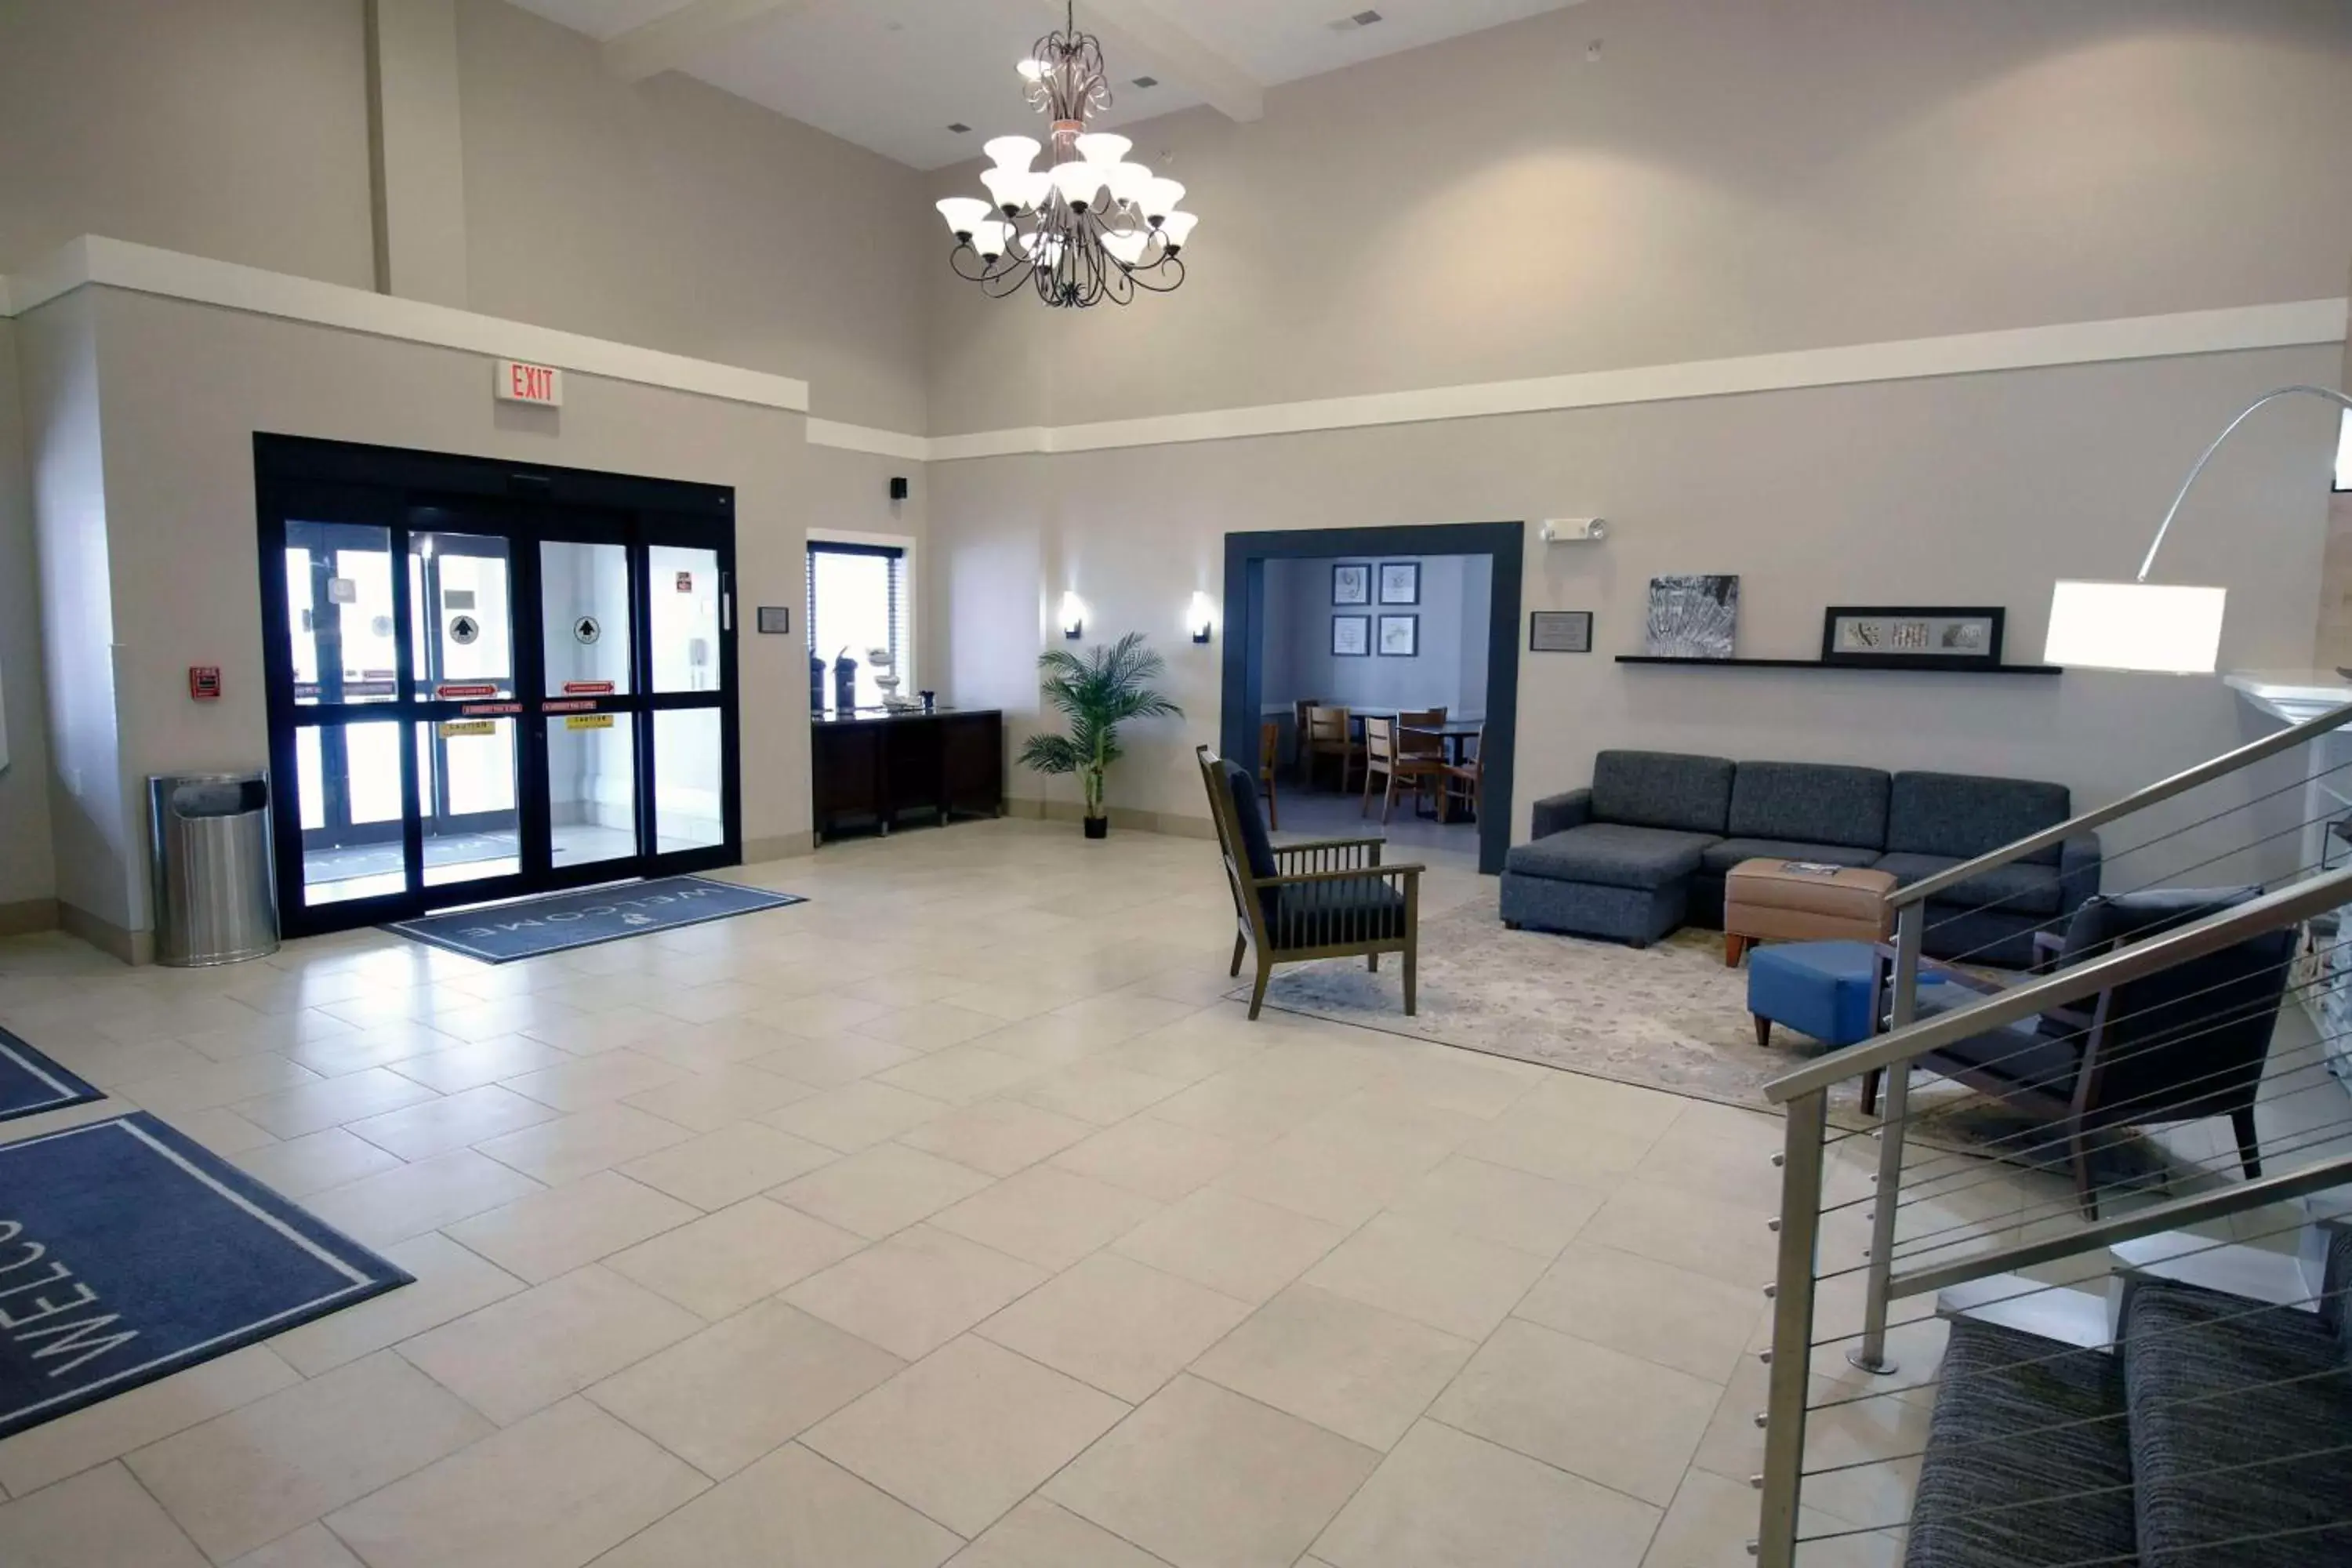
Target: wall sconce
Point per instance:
(1073, 617)
(1202, 616)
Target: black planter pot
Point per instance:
(1098, 827)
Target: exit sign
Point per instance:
(523, 382)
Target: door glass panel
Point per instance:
(339, 612)
(347, 781)
(464, 615)
(686, 771)
(592, 786)
(584, 605)
(465, 790)
(683, 587)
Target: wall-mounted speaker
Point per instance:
(899, 489)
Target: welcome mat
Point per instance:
(559, 921)
(127, 1252)
(30, 1083)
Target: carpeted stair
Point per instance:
(2218, 1435)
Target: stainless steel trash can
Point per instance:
(215, 894)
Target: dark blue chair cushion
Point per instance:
(1324, 914)
(1611, 855)
(1963, 815)
(1257, 849)
(1662, 789)
(2020, 888)
(2041, 1055)
(1810, 803)
(1723, 854)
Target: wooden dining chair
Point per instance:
(1385, 758)
(1269, 752)
(1330, 733)
(1302, 764)
(1468, 776)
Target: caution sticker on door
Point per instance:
(589, 721)
(451, 729)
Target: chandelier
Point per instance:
(1089, 227)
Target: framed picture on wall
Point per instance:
(1559, 631)
(1400, 637)
(1912, 636)
(1400, 581)
(1351, 583)
(1351, 636)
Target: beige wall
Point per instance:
(1728, 179)
(672, 215)
(1965, 491)
(181, 578)
(28, 872)
(233, 129)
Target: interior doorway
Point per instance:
(488, 680)
(1366, 619)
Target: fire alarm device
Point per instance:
(203, 682)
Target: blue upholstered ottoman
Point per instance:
(1817, 988)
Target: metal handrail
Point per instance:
(2227, 762)
(2177, 1214)
(2297, 901)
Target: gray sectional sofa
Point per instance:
(1646, 847)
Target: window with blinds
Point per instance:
(856, 603)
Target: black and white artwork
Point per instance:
(1400, 637)
(1913, 637)
(1351, 636)
(1692, 615)
(1400, 581)
(1351, 583)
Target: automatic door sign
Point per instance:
(464, 629)
(586, 629)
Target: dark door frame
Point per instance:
(1246, 557)
(404, 492)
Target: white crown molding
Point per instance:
(2298, 324)
(141, 268)
(866, 438)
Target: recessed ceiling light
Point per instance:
(1146, 81)
(959, 127)
(1360, 19)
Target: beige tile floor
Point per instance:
(952, 1216)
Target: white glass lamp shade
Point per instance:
(1073, 615)
(1160, 197)
(965, 214)
(991, 238)
(2136, 625)
(1127, 181)
(1103, 149)
(1044, 248)
(1126, 243)
(1178, 227)
(1011, 152)
(1201, 617)
(1011, 187)
(1080, 183)
(1031, 70)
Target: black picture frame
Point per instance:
(1913, 636)
(1411, 625)
(775, 620)
(1559, 631)
(1351, 582)
(1363, 649)
(1412, 596)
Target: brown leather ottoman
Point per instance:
(1768, 899)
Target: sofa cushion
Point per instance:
(1723, 854)
(1810, 803)
(1964, 815)
(2020, 888)
(1662, 789)
(1611, 855)
(1336, 913)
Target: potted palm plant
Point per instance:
(1097, 692)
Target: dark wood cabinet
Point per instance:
(873, 770)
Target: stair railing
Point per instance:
(1889, 1275)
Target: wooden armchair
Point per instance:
(1328, 898)
(1269, 755)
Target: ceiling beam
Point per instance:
(1226, 86)
(673, 41)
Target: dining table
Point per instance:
(1450, 736)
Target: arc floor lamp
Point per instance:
(2141, 625)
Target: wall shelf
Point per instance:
(1922, 669)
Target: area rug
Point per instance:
(129, 1252)
(502, 933)
(31, 1083)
